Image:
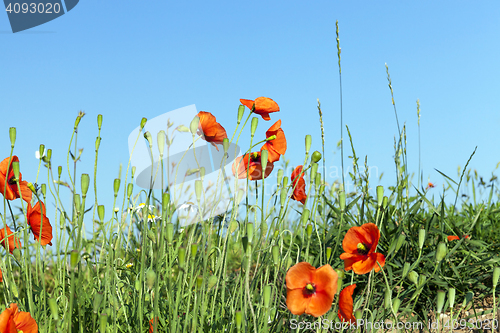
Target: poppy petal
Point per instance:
(296, 302)
(325, 280)
(299, 275)
(320, 304)
(452, 238)
(247, 102)
(346, 304)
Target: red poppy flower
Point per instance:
(35, 222)
(430, 185)
(359, 244)
(210, 129)
(13, 321)
(276, 147)
(8, 185)
(13, 242)
(310, 290)
(346, 304)
(151, 325)
(299, 184)
(254, 169)
(452, 238)
(1, 276)
(262, 106)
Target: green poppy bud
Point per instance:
(225, 144)
(12, 136)
(85, 180)
(43, 189)
(387, 298)
(421, 238)
(53, 308)
(181, 256)
(250, 228)
(143, 122)
(285, 181)
(308, 143)
(244, 241)
(162, 139)
(212, 281)
(380, 195)
(314, 170)
(253, 127)
(406, 268)
(440, 301)
(441, 251)
(133, 171)
(328, 253)
(241, 111)
(238, 318)
(198, 186)
(193, 126)
(194, 249)
(99, 121)
(342, 201)
(148, 137)
(395, 304)
(399, 242)
(309, 229)
(276, 254)
(199, 281)
(97, 143)
(496, 275)
(116, 186)
(59, 171)
(340, 273)
(413, 277)
(267, 295)
(279, 176)
(451, 297)
(305, 216)
(15, 168)
(283, 196)
(100, 213)
(316, 157)
(74, 258)
(103, 322)
(170, 233)
(263, 160)
(130, 189)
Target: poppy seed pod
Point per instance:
(253, 126)
(263, 160)
(54, 309)
(143, 122)
(15, 168)
(440, 301)
(421, 238)
(100, 213)
(276, 254)
(161, 138)
(329, 253)
(181, 256)
(380, 195)
(12, 136)
(130, 189)
(342, 201)
(496, 275)
(267, 295)
(395, 304)
(309, 229)
(225, 144)
(116, 186)
(59, 171)
(133, 171)
(85, 180)
(241, 111)
(41, 150)
(316, 157)
(441, 251)
(308, 143)
(99, 121)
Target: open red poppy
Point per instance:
(254, 171)
(299, 184)
(346, 304)
(13, 241)
(262, 106)
(310, 290)
(452, 238)
(359, 245)
(276, 147)
(152, 323)
(8, 185)
(12, 321)
(35, 222)
(210, 129)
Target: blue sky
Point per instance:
(132, 59)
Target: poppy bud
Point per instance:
(103, 322)
(78, 202)
(133, 171)
(241, 111)
(406, 268)
(197, 188)
(194, 249)
(358, 314)
(421, 238)
(97, 143)
(97, 301)
(317, 180)
(263, 160)
(31, 187)
(233, 226)
(239, 196)
(85, 180)
(54, 309)
(78, 118)
(340, 273)
(182, 256)
(41, 150)
(212, 280)
(162, 138)
(276, 254)
(130, 188)
(143, 122)
(100, 213)
(202, 173)
(440, 301)
(250, 232)
(328, 253)
(413, 277)
(43, 189)
(387, 299)
(253, 126)
(342, 201)
(263, 229)
(308, 143)
(400, 241)
(238, 318)
(148, 137)
(59, 171)
(225, 144)
(267, 295)
(244, 241)
(496, 275)
(99, 121)
(12, 135)
(193, 126)
(316, 157)
(309, 229)
(199, 281)
(283, 196)
(152, 235)
(385, 203)
(395, 304)
(421, 280)
(305, 216)
(441, 251)
(289, 263)
(74, 258)
(451, 297)
(314, 170)
(279, 176)
(17, 254)
(380, 195)
(116, 186)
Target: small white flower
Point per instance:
(117, 209)
(152, 218)
(37, 155)
(129, 265)
(142, 205)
